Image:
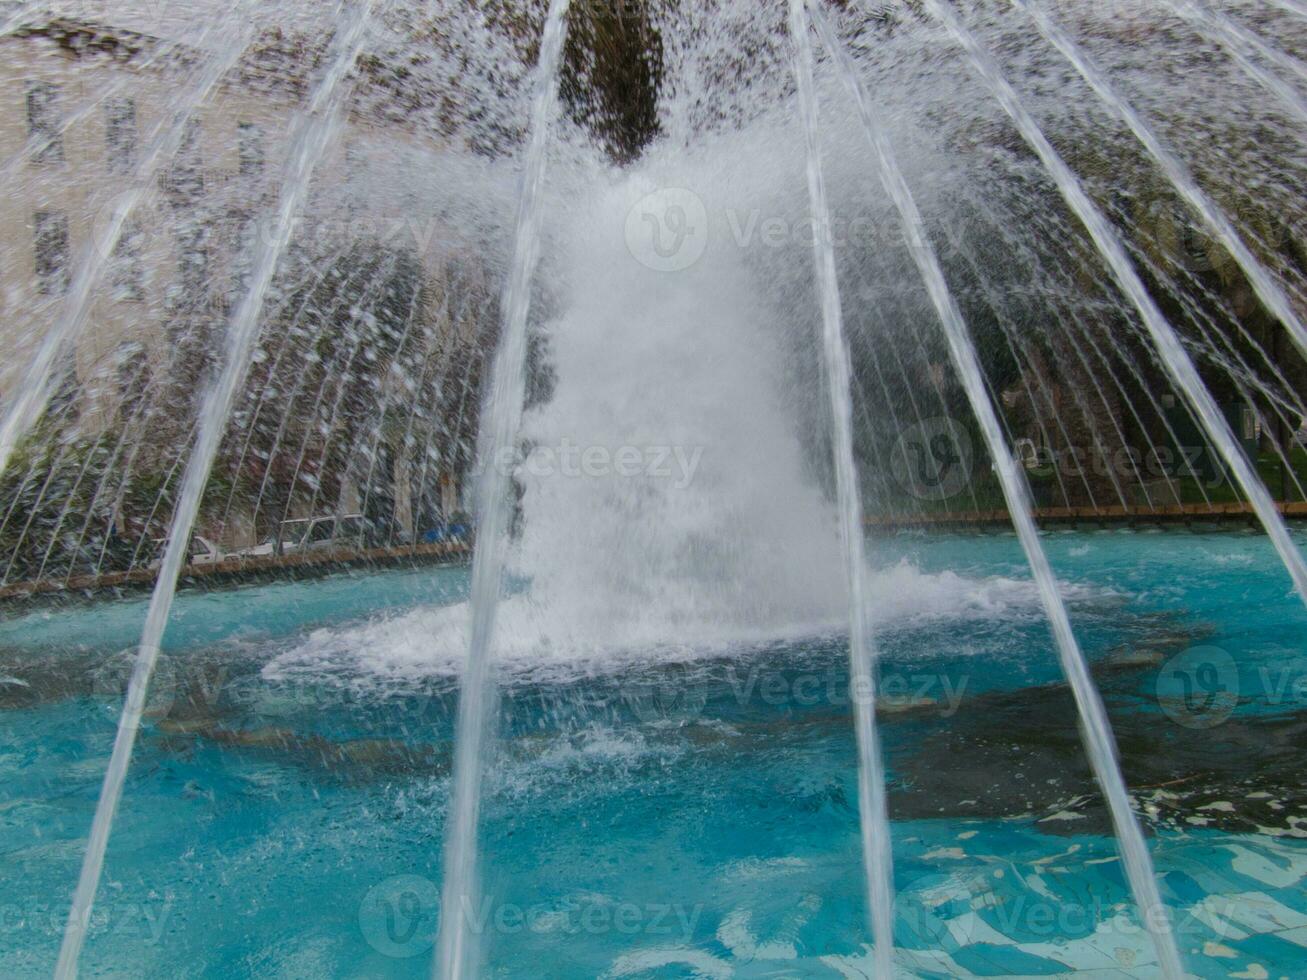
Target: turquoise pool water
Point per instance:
(673, 815)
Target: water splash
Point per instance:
(1175, 358)
(1291, 6)
(1245, 47)
(1268, 290)
(16, 20)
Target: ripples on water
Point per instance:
(287, 803)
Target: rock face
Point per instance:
(1019, 755)
(613, 65)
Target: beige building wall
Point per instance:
(82, 187)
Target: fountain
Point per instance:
(518, 489)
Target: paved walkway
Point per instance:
(319, 561)
(243, 568)
(1169, 514)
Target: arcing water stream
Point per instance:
(456, 952)
(873, 810)
(1095, 727)
(316, 130)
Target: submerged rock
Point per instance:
(1015, 753)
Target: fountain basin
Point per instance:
(666, 811)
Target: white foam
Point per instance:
(677, 563)
(536, 643)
